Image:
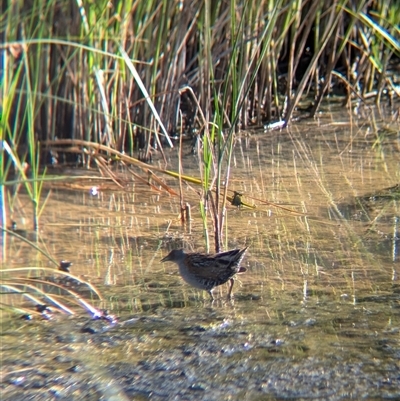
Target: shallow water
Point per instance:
(317, 314)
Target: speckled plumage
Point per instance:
(205, 271)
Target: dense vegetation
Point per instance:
(94, 70)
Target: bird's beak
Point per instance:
(166, 259)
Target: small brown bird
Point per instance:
(206, 271)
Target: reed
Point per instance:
(69, 63)
(43, 289)
(52, 288)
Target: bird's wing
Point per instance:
(215, 266)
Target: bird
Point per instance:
(206, 271)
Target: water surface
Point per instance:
(317, 315)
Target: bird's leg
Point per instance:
(232, 281)
(211, 295)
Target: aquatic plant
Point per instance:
(44, 292)
(79, 70)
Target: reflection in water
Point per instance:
(317, 311)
